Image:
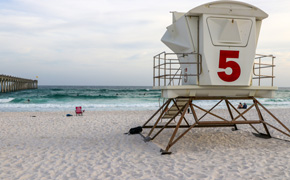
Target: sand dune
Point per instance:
(53, 146)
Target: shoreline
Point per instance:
(93, 146)
(121, 110)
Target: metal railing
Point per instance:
(167, 68)
(264, 65)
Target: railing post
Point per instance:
(164, 61)
(153, 71)
(170, 78)
(197, 69)
(159, 70)
(259, 70)
(273, 70)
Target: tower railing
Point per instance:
(167, 68)
(263, 69)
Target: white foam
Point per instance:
(64, 107)
(6, 100)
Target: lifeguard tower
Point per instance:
(214, 58)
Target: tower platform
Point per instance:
(217, 91)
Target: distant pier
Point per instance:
(11, 84)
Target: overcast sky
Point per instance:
(110, 42)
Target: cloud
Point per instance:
(104, 42)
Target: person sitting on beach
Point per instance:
(245, 106)
(240, 106)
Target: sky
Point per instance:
(110, 42)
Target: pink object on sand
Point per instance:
(79, 110)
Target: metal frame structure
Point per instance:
(167, 71)
(167, 68)
(208, 32)
(198, 122)
(259, 66)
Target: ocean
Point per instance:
(105, 98)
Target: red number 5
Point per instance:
(223, 64)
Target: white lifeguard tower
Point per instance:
(214, 58)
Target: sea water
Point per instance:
(66, 98)
(106, 98)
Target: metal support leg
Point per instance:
(231, 114)
(175, 131)
(261, 117)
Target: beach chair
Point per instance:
(79, 110)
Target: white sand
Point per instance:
(53, 146)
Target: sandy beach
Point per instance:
(49, 145)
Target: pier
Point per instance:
(11, 84)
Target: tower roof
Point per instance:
(235, 8)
